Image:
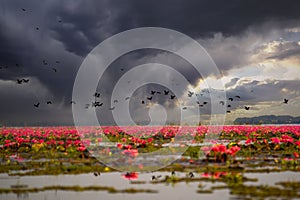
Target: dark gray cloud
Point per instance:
(232, 82)
(269, 92)
(69, 30)
(286, 50)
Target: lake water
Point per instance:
(176, 191)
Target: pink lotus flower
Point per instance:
(130, 175)
(131, 152)
(275, 140)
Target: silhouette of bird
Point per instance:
(57, 62)
(184, 108)
(173, 173)
(23, 9)
(115, 101)
(228, 106)
(191, 175)
(205, 102)
(143, 102)
(37, 28)
(222, 103)
(154, 178)
(96, 104)
(19, 81)
(49, 102)
(190, 94)
(55, 70)
(72, 102)
(285, 101)
(149, 98)
(158, 92)
(97, 174)
(247, 107)
(152, 92)
(166, 92)
(230, 99)
(97, 94)
(237, 96)
(25, 80)
(88, 105)
(112, 108)
(200, 105)
(228, 111)
(172, 96)
(60, 21)
(37, 104)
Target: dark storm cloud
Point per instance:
(68, 30)
(286, 50)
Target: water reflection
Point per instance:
(132, 186)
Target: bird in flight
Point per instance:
(228, 106)
(285, 101)
(112, 108)
(19, 81)
(127, 98)
(149, 98)
(228, 111)
(190, 94)
(143, 102)
(54, 69)
(96, 104)
(222, 103)
(72, 102)
(97, 94)
(25, 80)
(152, 92)
(205, 102)
(237, 96)
(23, 9)
(49, 102)
(115, 101)
(37, 105)
(184, 108)
(172, 96)
(247, 107)
(230, 99)
(166, 92)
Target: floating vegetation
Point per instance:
(76, 188)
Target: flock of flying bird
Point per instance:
(97, 103)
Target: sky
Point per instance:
(254, 44)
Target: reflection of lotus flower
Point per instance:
(131, 152)
(130, 175)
